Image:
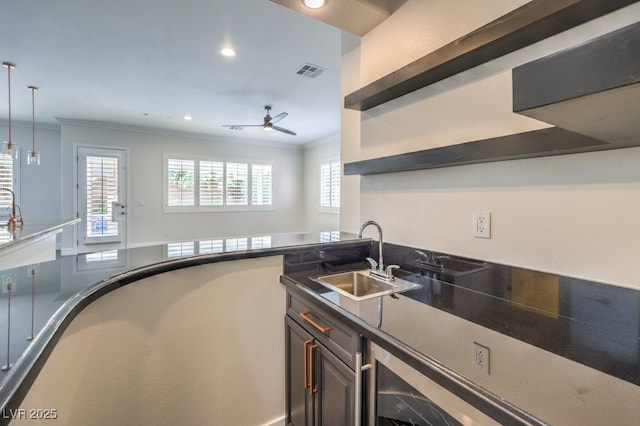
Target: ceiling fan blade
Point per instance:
(283, 130)
(278, 117)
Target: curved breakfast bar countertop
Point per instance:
(79, 280)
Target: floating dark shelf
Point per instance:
(537, 143)
(592, 89)
(535, 21)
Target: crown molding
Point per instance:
(176, 133)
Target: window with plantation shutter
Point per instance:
(261, 184)
(330, 186)
(101, 192)
(180, 182)
(200, 185)
(6, 180)
(237, 178)
(211, 183)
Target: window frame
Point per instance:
(197, 207)
(331, 162)
(5, 235)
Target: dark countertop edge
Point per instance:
(490, 404)
(17, 382)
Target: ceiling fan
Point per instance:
(268, 123)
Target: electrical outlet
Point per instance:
(482, 224)
(481, 358)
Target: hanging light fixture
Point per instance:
(8, 147)
(33, 156)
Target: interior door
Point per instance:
(102, 189)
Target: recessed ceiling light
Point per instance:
(314, 4)
(227, 51)
(188, 117)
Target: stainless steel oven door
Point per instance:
(400, 395)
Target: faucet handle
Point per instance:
(390, 268)
(373, 263)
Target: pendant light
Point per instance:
(8, 147)
(33, 156)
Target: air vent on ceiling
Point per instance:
(310, 70)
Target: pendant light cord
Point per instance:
(33, 120)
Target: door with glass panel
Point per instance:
(102, 187)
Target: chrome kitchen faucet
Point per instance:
(377, 269)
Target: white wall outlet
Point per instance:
(482, 224)
(481, 358)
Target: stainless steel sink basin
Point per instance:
(359, 285)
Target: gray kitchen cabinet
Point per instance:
(320, 384)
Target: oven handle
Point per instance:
(357, 404)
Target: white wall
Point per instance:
(39, 186)
(47, 188)
(574, 215)
(197, 346)
(148, 223)
(315, 154)
(350, 135)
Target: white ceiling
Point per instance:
(150, 62)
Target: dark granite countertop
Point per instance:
(594, 324)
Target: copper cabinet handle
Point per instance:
(307, 383)
(312, 384)
(320, 328)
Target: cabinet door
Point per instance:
(299, 401)
(336, 386)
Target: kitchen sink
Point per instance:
(359, 285)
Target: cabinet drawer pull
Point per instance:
(320, 328)
(307, 383)
(312, 385)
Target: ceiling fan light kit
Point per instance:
(267, 123)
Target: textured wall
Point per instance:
(197, 346)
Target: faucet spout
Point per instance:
(14, 222)
(378, 270)
(373, 223)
